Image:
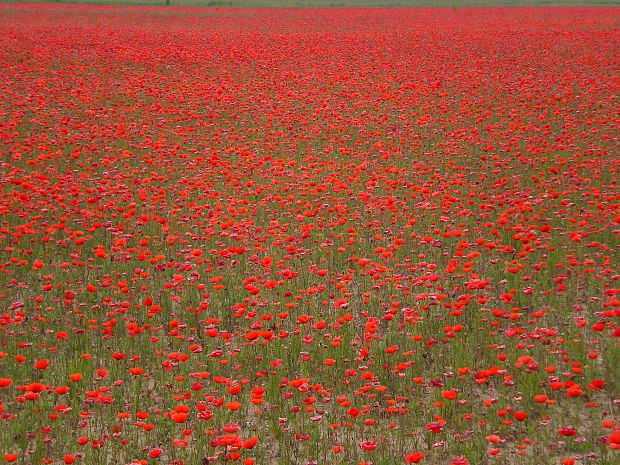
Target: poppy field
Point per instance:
(309, 237)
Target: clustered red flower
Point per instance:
(318, 235)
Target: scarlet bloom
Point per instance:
(597, 384)
(234, 405)
(574, 391)
(36, 387)
(41, 364)
(155, 453)
(235, 389)
(229, 440)
(416, 457)
(69, 459)
(541, 398)
(450, 395)
(10, 457)
(231, 428)
(5, 382)
(434, 427)
(368, 445)
(250, 443)
(614, 438)
(566, 431)
(494, 438)
(179, 417)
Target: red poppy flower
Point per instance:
(416, 457)
(368, 445)
(41, 364)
